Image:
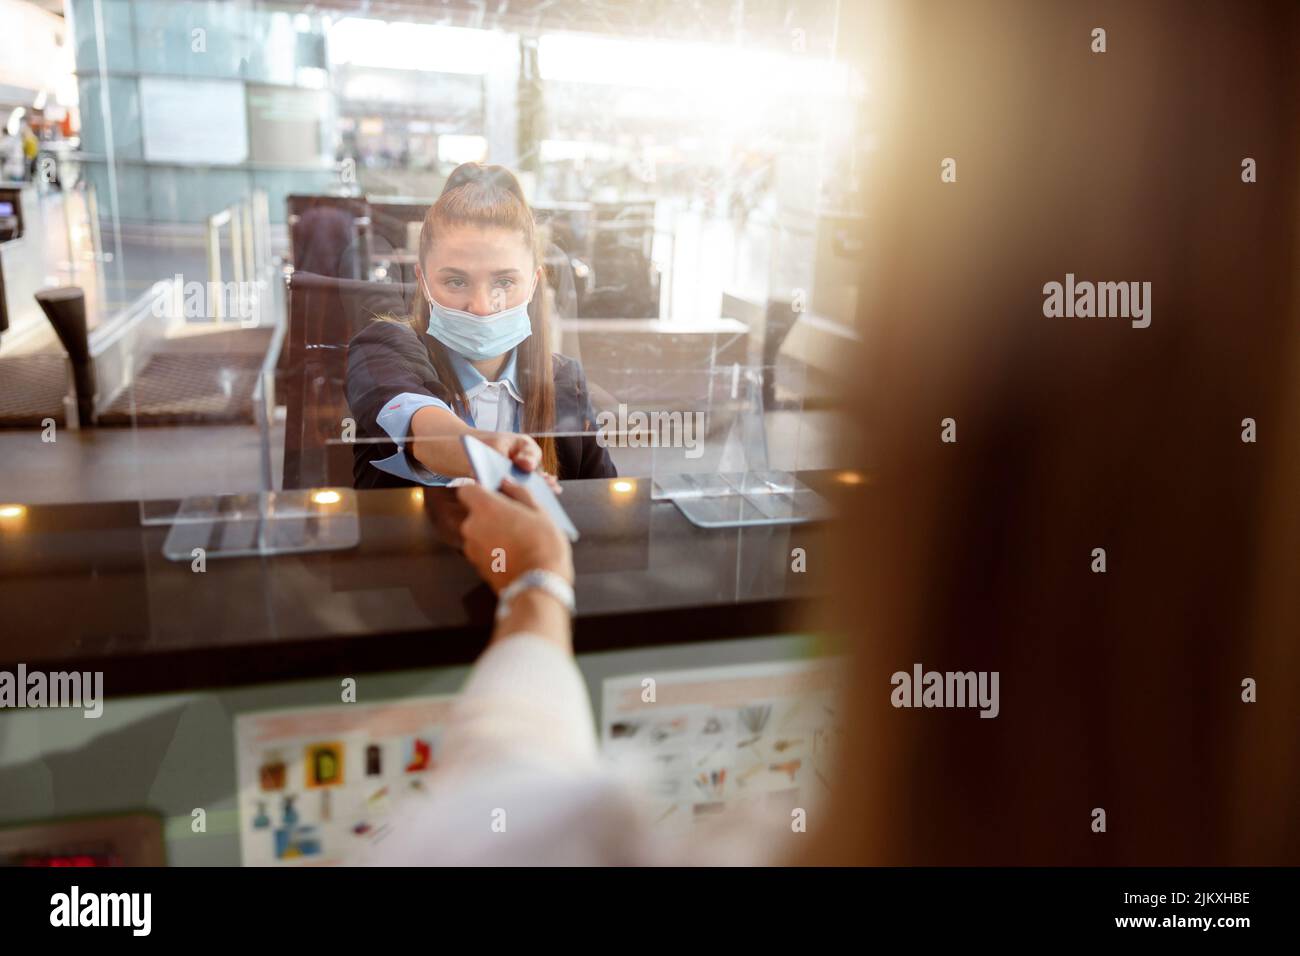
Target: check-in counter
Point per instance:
(184, 653)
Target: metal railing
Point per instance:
(249, 225)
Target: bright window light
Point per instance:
(565, 150)
(686, 66)
(413, 46)
(313, 77)
(461, 149)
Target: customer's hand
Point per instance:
(506, 534)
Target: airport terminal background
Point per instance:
(697, 173)
(701, 219)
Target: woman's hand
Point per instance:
(436, 445)
(522, 450)
(506, 534)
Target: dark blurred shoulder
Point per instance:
(390, 334)
(568, 371)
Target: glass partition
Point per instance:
(227, 195)
(714, 462)
(237, 189)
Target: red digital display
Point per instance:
(132, 839)
(71, 859)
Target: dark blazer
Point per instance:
(388, 358)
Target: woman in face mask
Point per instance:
(475, 358)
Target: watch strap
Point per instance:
(547, 581)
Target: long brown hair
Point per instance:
(480, 195)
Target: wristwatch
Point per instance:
(548, 581)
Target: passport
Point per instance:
(491, 467)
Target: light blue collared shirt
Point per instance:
(493, 406)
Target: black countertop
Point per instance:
(86, 587)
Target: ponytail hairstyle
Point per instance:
(490, 196)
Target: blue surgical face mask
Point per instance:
(479, 337)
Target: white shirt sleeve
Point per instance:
(518, 781)
(517, 767)
(524, 699)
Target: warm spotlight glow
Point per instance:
(850, 478)
(417, 496)
(623, 487)
(12, 511)
(327, 497)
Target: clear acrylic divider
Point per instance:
(236, 502)
(712, 461)
(185, 355)
(269, 520)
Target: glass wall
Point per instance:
(240, 189)
(257, 243)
